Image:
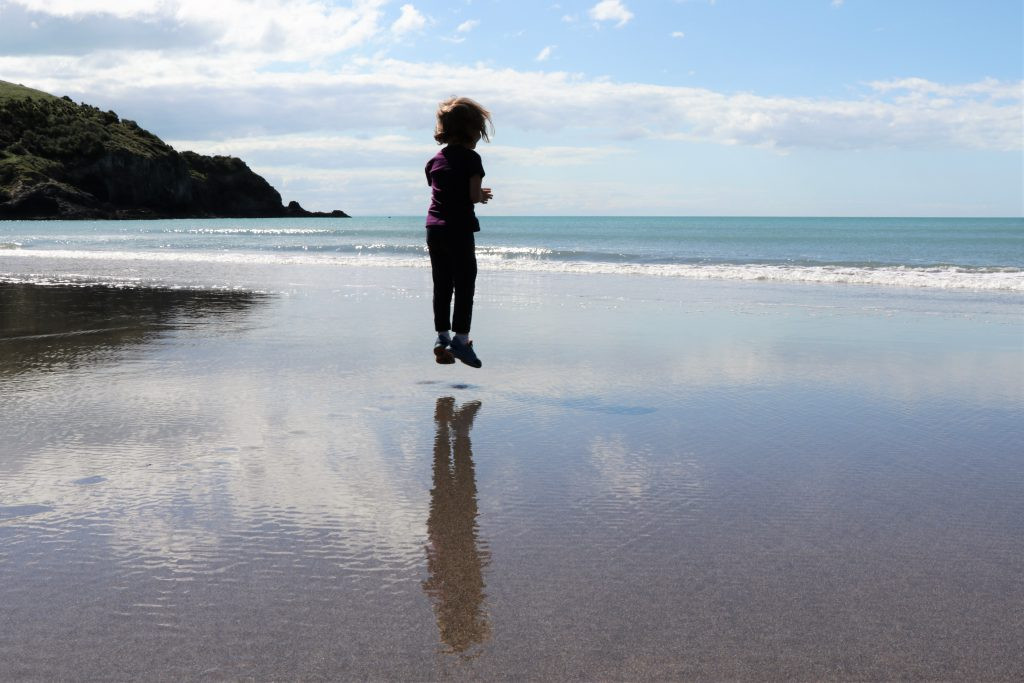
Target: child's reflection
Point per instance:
(455, 563)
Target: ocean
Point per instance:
(977, 254)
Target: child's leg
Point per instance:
(464, 281)
(442, 273)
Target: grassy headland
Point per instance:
(59, 159)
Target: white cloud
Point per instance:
(326, 171)
(837, 3)
(326, 151)
(284, 30)
(410, 20)
(222, 98)
(677, 34)
(305, 143)
(75, 8)
(552, 155)
(545, 54)
(920, 87)
(611, 10)
(467, 26)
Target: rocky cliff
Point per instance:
(59, 159)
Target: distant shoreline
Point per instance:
(130, 215)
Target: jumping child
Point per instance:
(454, 175)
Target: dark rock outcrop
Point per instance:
(64, 160)
(295, 209)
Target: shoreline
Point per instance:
(647, 479)
(950, 279)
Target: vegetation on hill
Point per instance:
(59, 159)
(15, 91)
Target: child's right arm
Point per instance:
(477, 194)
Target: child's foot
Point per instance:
(441, 353)
(464, 352)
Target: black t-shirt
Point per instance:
(448, 174)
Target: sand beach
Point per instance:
(649, 478)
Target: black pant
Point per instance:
(453, 266)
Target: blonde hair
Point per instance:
(459, 119)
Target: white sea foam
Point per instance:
(506, 252)
(253, 231)
(10, 245)
(951, 278)
(932, 278)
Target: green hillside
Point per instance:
(59, 159)
(16, 91)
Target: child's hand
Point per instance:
(485, 194)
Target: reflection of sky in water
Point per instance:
(256, 480)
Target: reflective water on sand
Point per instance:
(675, 481)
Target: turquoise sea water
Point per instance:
(946, 253)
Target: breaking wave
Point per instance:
(524, 259)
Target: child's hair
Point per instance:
(459, 119)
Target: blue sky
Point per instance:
(677, 107)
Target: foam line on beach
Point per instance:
(256, 231)
(944, 277)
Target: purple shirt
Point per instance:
(448, 174)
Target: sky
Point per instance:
(600, 107)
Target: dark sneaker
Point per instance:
(464, 352)
(441, 353)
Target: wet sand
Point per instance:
(648, 479)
